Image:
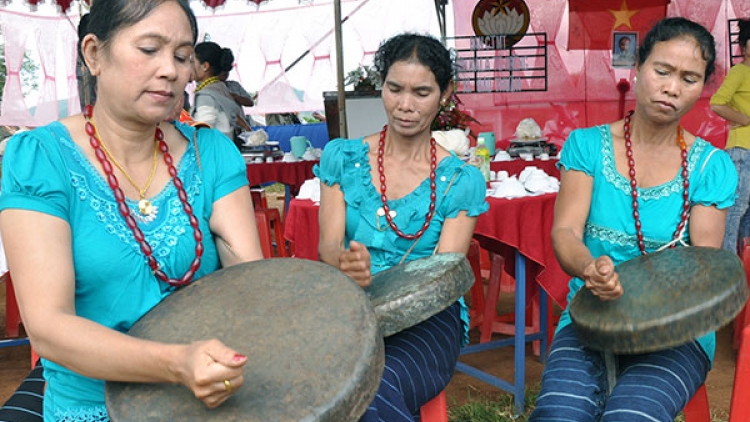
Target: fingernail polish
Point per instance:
(238, 357)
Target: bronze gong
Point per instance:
(407, 294)
(312, 340)
(671, 297)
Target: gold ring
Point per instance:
(228, 386)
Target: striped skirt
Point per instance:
(419, 363)
(650, 387)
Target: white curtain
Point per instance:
(265, 41)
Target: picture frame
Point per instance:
(624, 47)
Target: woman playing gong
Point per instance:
(104, 214)
(629, 188)
(396, 196)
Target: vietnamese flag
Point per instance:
(592, 22)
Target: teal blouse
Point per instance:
(610, 228)
(45, 171)
(460, 187)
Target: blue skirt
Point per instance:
(419, 363)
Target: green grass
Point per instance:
(500, 409)
(274, 188)
(492, 409)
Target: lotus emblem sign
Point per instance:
(501, 23)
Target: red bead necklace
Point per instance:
(96, 143)
(433, 188)
(633, 184)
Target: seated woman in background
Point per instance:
(213, 103)
(434, 199)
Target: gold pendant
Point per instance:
(145, 207)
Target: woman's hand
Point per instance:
(355, 263)
(600, 277)
(213, 371)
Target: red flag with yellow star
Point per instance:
(592, 22)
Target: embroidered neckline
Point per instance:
(622, 183)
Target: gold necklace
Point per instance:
(147, 210)
(207, 82)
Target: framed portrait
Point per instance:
(624, 45)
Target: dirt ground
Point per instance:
(14, 365)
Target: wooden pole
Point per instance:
(340, 68)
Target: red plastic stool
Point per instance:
(270, 229)
(435, 410)
(697, 409)
(12, 315)
(504, 324)
(739, 408)
(743, 318)
(34, 357)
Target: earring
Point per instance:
(444, 102)
(635, 79)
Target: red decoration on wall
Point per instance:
(592, 21)
(213, 3)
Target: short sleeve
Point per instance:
(716, 183)
(35, 175)
(582, 150)
(227, 166)
(467, 193)
(728, 87)
(342, 160)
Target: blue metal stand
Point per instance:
(14, 342)
(519, 340)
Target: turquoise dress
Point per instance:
(45, 171)
(345, 163)
(610, 228)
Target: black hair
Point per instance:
(107, 17)
(82, 31)
(220, 59)
(744, 25)
(671, 28)
(421, 49)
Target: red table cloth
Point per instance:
(301, 228)
(290, 174)
(524, 225)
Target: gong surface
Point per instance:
(311, 337)
(670, 298)
(407, 294)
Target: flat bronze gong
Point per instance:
(311, 337)
(407, 294)
(671, 297)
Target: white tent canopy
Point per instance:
(284, 49)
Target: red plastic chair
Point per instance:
(435, 410)
(259, 197)
(477, 289)
(271, 232)
(739, 408)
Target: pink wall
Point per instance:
(582, 85)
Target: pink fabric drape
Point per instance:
(582, 84)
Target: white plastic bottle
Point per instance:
(482, 154)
